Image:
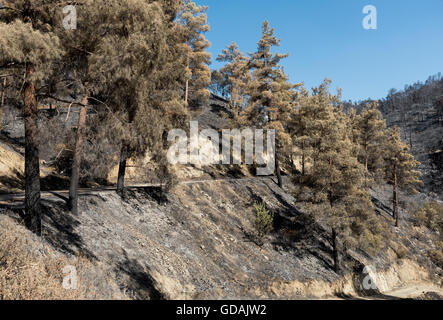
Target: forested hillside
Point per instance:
(418, 112)
(90, 115)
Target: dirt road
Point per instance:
(412, 291)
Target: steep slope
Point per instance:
(424, 131)
(418, 112)
(198, 242)
(30, 269)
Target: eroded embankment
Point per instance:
(404, 279)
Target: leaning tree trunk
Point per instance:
(73, 189)
(32, 165)
(395, 197)
(335, 250)
(366, 153)
(122, 168)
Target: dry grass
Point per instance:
(11, 169)
(31, 270)
(401, 252)
(431, 216)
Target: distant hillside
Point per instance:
(418, 112)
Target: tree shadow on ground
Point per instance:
(156, 194)
(138, 280)
(12, 182)
(235, 172)
(59, 229)
(58, 226)
(54, 182)
(382, 209)
(297, 232)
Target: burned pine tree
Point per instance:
(400, 168)
(271, 96)
(139, 66)
(193, 19)
(29, 46)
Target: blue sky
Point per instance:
(325, 38)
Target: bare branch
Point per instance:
(69, 110)
(60, 100)
(107, 107)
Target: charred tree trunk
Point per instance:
(335, 250)
(278, 172)
(303, 161)
(366, 154)
(395, 197)
(32, 164)
(366, 163)
(2, 105)
(75, 174)
(122, 168)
